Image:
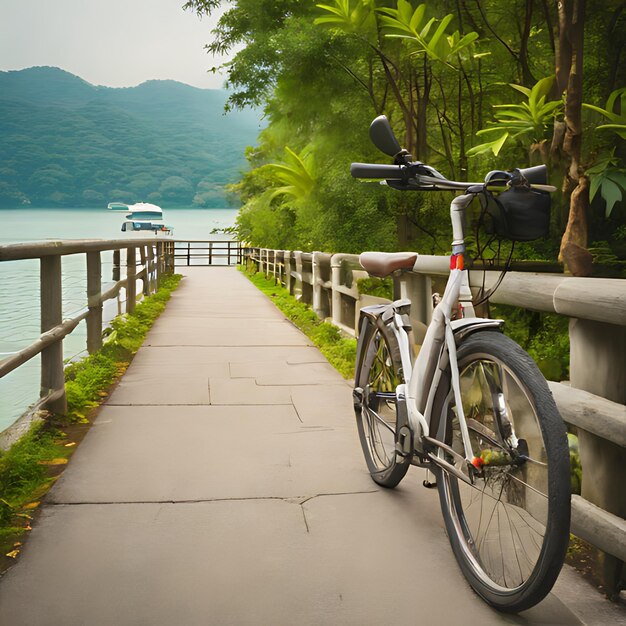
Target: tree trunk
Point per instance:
(574, 251)
(575, 186)
(527, 76)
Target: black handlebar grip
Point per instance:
(373, 170)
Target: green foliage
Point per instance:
(609, 180)
(351, 17)
(531, 121)
(411, 25)
(64, 142)
(617, 99)
(295, 174)
(24, 471)
(23, 468)
(87, 380)
(340, 351)
(576, 469)
(322, 71)
(379, 287)
(545, 336)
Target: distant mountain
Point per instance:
(65, 142)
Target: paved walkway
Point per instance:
(223, 483)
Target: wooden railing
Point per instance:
(207, 252)
(594, 399)
(146, 259)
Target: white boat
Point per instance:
(145, 217)
(144, 211)
(151, 227)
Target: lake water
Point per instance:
(19, 282)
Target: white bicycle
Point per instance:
(472, 407)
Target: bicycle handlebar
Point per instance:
(375, 170)
(408, 177)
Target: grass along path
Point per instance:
(339, 350)
(32, 465)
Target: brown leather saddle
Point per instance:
(382, 264)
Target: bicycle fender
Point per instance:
(465, 327)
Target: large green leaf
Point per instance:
(295, 172)
(406, 23)
(347, 15)
(532, 120)
(494, 146)
(609, 180)
(618, 120)
(611, 194)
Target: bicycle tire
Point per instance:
(510, 530)
(378, 420)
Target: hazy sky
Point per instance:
(118, 43)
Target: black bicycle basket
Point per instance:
(518, 214)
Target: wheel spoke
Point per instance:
(380, 420)
(377, 415)
(501, 520)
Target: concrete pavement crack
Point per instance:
(295, 408)
(300, 500)
(306, 523)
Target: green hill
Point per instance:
(65, 142)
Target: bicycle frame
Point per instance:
(439, 346)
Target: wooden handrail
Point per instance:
(45, 339)
(157, 257)
(53, 328)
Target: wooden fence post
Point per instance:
(321, 275)
(131, 285)
(150, 268)
(297, 287)
(159, 266)
(289, 282)
(144, 262)
(52, 375)
(597, 366)
(94, 302)
(170, 256)
(116, 265)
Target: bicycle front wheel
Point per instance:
(378, 420)
(509, 530)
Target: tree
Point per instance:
(322, 72)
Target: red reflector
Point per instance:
(457, 262)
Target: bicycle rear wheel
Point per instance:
(509, 530)
(378, 419)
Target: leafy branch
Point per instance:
(529, 120)
(295, 173)
(610, 180)
(409, 24)
(618, 120)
